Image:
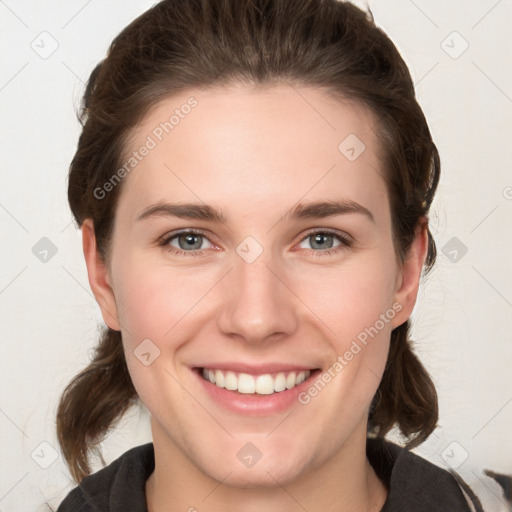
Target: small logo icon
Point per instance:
(45, 45)
(454, 45)
(249, 455)
(454, 250)
(352, 147)
(249, 249)
(44, 455)
(146, 352)
(507, 192)
(454, 455)
(44, 250)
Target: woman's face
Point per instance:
(252, 245)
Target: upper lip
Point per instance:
(260, 369)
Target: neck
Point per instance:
(345, 482)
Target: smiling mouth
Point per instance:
(265, 384)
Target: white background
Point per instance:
(463, 320)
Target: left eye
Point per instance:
(323, 240)
(187, 241)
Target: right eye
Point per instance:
(188, 242)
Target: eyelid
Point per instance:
(167, 237)
(344, 237)
(346, 241)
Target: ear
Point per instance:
(408, 279)
(99, 278)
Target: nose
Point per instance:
(257, 304)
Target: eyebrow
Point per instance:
(328, 209)
(315, 210)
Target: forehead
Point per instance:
(245, 146)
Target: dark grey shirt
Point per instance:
(414, 484)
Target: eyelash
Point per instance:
(346, 242)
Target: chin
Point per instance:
(268, 476)
(271, 470)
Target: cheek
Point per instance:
(352, 298)
(154, 301)
(355, 310)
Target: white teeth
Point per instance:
(231, 381)
(248, 384)
(219, 379)
(264, 385)
(290, 380)
(280, 382)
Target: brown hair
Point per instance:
(180, 44)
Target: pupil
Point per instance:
(320, 238)
(190, 239)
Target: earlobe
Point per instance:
(99, 279)
(408, 280)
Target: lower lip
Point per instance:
(254, 404)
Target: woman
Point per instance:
(253, 182)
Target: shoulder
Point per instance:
(120, 486)
(413, 482)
